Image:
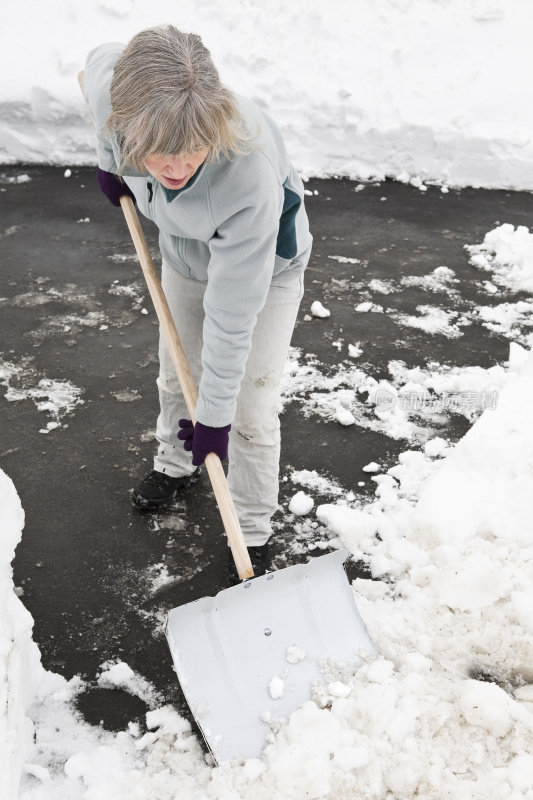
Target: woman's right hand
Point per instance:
(113, 187)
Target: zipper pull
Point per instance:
(150, 191)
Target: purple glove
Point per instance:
(202, 439)
(113, 187)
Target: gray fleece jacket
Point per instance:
(235, 225)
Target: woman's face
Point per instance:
(173, 172)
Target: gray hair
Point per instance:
(166, 97)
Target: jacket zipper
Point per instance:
(150, 191)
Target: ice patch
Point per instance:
(127, 395)
(53, 397)
(440, 280)
(133, 290)
(345, 260)
(436, 321)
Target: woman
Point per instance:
(211, 170)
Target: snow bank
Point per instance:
(417, 91)
(22, 677)
(484, 490)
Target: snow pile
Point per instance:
(441, 103)
(453, 605)
(507, 252)
(22, 677)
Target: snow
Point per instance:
(23, 679)
(507, 252)
(433, 320)
(295, 654)
(442, 103)
(354, 350)
(449, 601)
(301, 504)
(373, 466)
(276, 687)
(440, 280)
(56, 398)
(318, 310)
(344, 416)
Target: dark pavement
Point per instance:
(88, 562)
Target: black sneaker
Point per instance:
(259, 557)
(158, 489)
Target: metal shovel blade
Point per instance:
(228, 649)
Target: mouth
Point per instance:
(175, 184)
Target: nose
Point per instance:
(176, 167)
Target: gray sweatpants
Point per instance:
(254, 442)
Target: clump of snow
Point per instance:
(301, 503)
(295, 654)
(318, 310)
(312, 480)
(383, 287)
(120, 675)
(351, 525)
(506, 252)
(276, 688)
(17, 179)
(373, 466)
(344, 416)
(355, 350)
(486, 706)
(367, 306)
(345, 259)
(435, 447)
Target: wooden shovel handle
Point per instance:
(190, 393)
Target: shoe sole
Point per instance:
(142, 504)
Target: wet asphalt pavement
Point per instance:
(88, 562)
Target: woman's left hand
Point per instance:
(203, 439)
(113, 187)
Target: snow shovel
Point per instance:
(249, 656)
